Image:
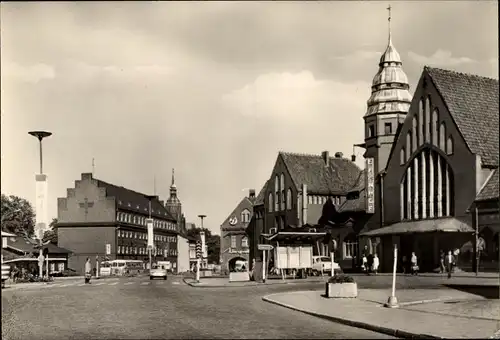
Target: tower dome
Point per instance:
(390, 87)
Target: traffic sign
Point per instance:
(198, 249)
(265, 247)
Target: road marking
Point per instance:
(67, 285)
(113, 284)
(145, 283)
(176, 283)
(100, 283)
(81, 284)
(129, 283)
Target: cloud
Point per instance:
(440, 58)
(31, 73)
(297, 97)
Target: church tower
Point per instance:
(173, 204)
(387, 107)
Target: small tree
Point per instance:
(17, 216)
(51, 234)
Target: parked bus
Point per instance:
(121, 267)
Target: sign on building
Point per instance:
(108, 249)
(370, 185)
(149, 223)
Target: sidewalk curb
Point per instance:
(256, 284)
(379, 329)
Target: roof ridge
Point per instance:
(299, 154)
(122, 187)
(472, 75)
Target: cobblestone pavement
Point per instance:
(137, 308)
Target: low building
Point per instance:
(97, 218)
(234, 245)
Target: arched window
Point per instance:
(434, 130)
(421, 122)
(428, 119)
(245, 216)
(427, 187)
(270, 202)
(282, 188)
(276, 193)
(442, 137)
(403, 156)
(408, 146)
(414, 135)
(289, 199)
(449, 146)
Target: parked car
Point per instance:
(158, 271)
(323, 264)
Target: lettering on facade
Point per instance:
(370, 185)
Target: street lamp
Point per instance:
(41, 196)
(150, 230)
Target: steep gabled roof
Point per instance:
(473, 103)
(336, 178)
(245, 203)
(490, 189)
(259, 200)
(138, 201)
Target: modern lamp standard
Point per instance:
(41, 199)
(150, 235)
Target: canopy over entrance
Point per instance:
(447, 225)
(305, 237)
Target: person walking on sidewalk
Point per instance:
(449, 261)
(414, 264)
(442, 268)
(376, 263)
(88, 271)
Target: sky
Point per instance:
(212, 89)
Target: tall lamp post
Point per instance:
(150, 230)
(41, 198)
(202, 236)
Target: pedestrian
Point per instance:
(370, 263)
(88, 271)
(364, 264)
(449, 262)
(404, 264)
(376, 263)
(441, 262)
(414, 264)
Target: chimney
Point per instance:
(304, 203)
(338, 154)
(86, 175)
(251, 193)
(326, 157)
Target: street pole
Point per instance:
(41, 198)
(47, 265)
(332, 261)
(393, 301)
(150, 242)
(97, 266)
(264, 266)
(203, 242)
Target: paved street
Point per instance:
(129, 308)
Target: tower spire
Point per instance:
(173, 177)
(389, 20)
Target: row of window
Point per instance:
(144, 251)
(426, 130)
(244, 242)
(141, 220)
(285, 205)
(427, 187)
(144, 236)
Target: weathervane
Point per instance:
(389, 20)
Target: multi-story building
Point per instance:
(445, 152)
(101, 219)
(234, 244)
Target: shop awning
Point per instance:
(447, 225)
